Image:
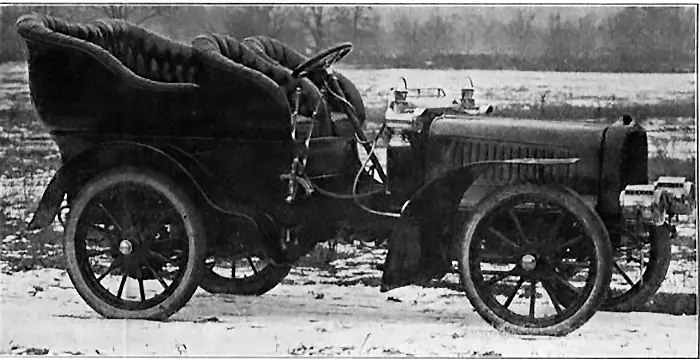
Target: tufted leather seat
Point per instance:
(236, 53)
(144, 53)
(286, 56)
(276, 60)
(110, 76)
(147, 54)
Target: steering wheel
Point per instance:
(323, 60)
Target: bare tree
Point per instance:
(439, 31)
(521, 30)
(560, 35)
(136, 14)
(468, 32)
(361, 26)
(11, 47)
(246, 21)
(584, 47)
(408, 34)
(320, 22)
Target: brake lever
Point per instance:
(355, 122)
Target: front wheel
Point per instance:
(517, 248)
(134, 245)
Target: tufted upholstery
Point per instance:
(285, 55)
(237, 53)
(145, 53)
(110, 76)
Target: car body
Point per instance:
(206, 153)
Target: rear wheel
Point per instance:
(640, 267)
(517, 247)
(245, 274)
(240, 264)
(134, 245)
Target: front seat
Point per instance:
(285, 55)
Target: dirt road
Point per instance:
(41, 312)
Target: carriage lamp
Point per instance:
(400, 101)
(467, 99)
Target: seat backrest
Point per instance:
(143, 52)
(283, 54)
(237, 55)
(146, 53)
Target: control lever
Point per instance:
(337, 91)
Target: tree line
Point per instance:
(630, 39)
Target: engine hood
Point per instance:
(520, 130)
(611, 156)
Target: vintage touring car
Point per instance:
(179, 159)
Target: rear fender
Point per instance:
(169, 159)
(440, 197)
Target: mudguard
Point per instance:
(168, 158)
(421, 242)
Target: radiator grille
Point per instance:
(474, 151)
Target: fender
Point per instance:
(174, 160)
(441, 196)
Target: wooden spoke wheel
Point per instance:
(245, 274)
(639, 268)
(520, 245)
(134, 245)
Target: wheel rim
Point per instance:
(242, 267)
(132, 245)
(634, 261)
(521, 254)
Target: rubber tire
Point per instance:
(256, 285)
(654, 275)
(193, 224)
(589, 218)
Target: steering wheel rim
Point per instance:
(333, 54)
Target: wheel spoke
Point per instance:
(557, 224)
(163, 241)
(515, 291)
(515, 220)
(98, 253)
(158, 277)
(162, 215)
(497, 277)
(103, 231)
(565, 283)
(496, 259)
(141, 290)
(115, 264)
(160, 257)
(533, 297)
(252, 265)
(126, 211)
(503, 237)
(555, 302)
(569, 243)
(121, 286)
(624, 275)
(111, 217)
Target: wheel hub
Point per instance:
(125, 247)
(528, 262)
